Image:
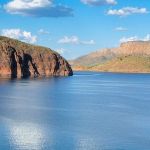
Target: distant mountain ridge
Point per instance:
(94, 58)
(124, 56)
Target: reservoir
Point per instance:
(88, 111)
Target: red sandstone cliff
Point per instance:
(48, 62)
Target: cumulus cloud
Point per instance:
(60, 50)
(99, 2)
(69, 40)
(37, 8)
(135, 38)
(121, 29)
(127, 11)
(75, 40)
(20, 35)
(129, 39)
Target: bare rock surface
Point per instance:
(21, 59)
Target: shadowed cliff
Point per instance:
(21, 59)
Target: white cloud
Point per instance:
(20, 35)
(75, 40)
(37, 8)
(121, 29)
(129, 39)
(91, 42)
(135, 38)
(15, 5)
(60, 51)
(127, 11)
(99, 2)
(69, 40)
(147, 37)
(42, 31)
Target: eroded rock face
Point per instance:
(133, 48)
(20, 59)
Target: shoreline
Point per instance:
(102, 71)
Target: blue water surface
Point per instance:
(89, 111)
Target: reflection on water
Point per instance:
(89, 111)
(26, 136)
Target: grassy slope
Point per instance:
(93, 58)
(128, 57)
(125, 64)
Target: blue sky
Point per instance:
(75, 27)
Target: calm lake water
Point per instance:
(89, 111)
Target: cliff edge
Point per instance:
(21, 59)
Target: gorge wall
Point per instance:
(21, 59)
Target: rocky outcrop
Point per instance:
(133, 48)
(21, 59)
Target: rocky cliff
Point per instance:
(128, 57)
(133, 48)
(21, 59)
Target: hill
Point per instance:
(128, 57)
(18, 58)
(94, 58)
